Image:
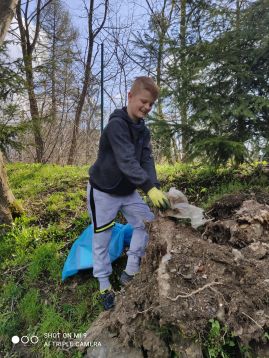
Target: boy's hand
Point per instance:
(158, 198)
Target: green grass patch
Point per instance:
(229, 188)
(30, 307)
(52, 322)
(46, 263)
(30, 180)
(202, 183)
(33, 300)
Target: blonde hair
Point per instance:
(145, 83)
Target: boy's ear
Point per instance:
(130, 95)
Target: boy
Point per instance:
(124, 163)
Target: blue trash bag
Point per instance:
(80, 255)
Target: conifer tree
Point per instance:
(230, 102)
(222, 80)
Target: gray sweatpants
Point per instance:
(103, 209)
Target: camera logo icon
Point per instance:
(25, 339)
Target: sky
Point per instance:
(121, 12)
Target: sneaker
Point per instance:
(107, 299)
(125, 278)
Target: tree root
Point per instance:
(253, 320)
(196, 291)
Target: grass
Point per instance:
(231, 188)
(30, 307)
(202, 184)
(33, 299)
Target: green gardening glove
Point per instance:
(158, 198)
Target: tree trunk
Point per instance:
(183, 107)
(27, 53)
(87, 74)
(6, 195)
(159, 70)
(85, 87)
(7, 9)
(36, 123)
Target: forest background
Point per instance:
(210, 59)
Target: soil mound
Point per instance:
(188, 278)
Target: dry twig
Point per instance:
(11, 271)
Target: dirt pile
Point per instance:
(188, 278)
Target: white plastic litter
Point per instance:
(181, 209)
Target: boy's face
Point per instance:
(139, 104)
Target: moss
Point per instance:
(16, 208)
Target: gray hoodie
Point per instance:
(124, 160)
